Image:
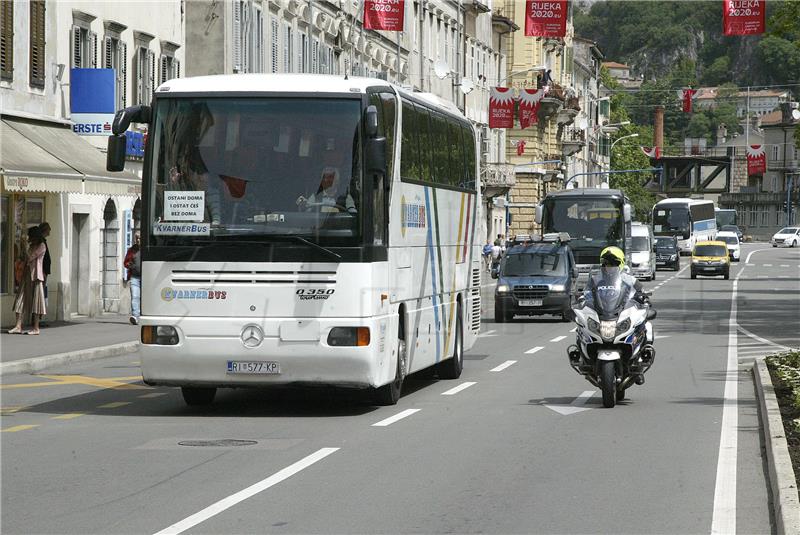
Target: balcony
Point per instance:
(551, 103)
(572, 108)
(572, 140)
(497, 179)
(479, 6)
(781, 165)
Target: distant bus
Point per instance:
(725, 216)
(691, 220)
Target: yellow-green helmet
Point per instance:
(612, 256)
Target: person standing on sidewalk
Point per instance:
(30, 296)
(46, 263)
(133, 263)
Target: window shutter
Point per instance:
(93, 52)
(138, 75)
(76, 47)
(7, 41)
(122, 49)
(152, 56)
(315, 56)
(164, 71)
(108, 47)
(37, 43)
(274, 49)
(237, 36)
(287, 49)
(177, 67)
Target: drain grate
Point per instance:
(224, 443)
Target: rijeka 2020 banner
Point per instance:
(384, 15)
(529, 102)
(546, 19)
(743, 17)
(501, 108)
(756, 160)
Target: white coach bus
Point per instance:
(306, 230)
(691, 220)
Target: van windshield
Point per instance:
(531, 264)
(639, 243)
(710, 250)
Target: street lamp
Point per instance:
(511, 74)
(618, 140)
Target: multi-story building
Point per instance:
(454, 50)
(66, 66)
(756, 102)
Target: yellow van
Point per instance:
(710, 258)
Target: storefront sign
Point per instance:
(92, 101)
(546, 19)
(384, 15)
(743, 17)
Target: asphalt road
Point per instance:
(520, 446)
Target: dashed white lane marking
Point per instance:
(487, 333)
(252, 490)
(392, 419)
(573, 329)
(153, 395)
(784, 265)
(558, 338)
(762, 277)
(767, 265)
(750, 265)
(534, 350)
(783, 276)
(503, 366)
(459, 388)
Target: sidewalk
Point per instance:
(85, 338)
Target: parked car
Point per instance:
(732, 228)
(643, 252)
(710, 258)
(789, 236)
(668, 255)
(534, 279)
(732, 241)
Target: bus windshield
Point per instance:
(725, 217)
(671, 220)
(592, 223)
(244, 168)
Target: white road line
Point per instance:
(762, 340)
(503, 366)
(723, 519)
(783, 276)
(392, 419)
(784, 265)
(487, 333)
(233, 499)
(573, 329)
(459, 388)
(534, 350)
(558, 338)
(750, 265)
(762, 277)
(767, 265)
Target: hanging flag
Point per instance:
(501, 108)
(756, 160)
(529, 102)
(384, 15)
(743, 17)
(546, 19)
(520, 147)
(652, 152)
(686, 96)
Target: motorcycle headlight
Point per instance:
(503, 288)
(608, 329)
(560, 288)
(593, 325)
(623, 326)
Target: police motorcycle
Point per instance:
(614, 337)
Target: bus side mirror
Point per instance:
(134, 114)
(626, 210)
(376, 156)
(538, 214)
(371, 121)
(115, 157)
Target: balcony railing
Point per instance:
(498, 175)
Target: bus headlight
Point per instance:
(162, 335)
(349, 336)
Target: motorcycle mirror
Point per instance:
(651, 314)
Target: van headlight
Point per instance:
(503, 288)
(673, 257)
(558, 288)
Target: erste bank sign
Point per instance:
(92, 101)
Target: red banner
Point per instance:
(501, 108)
(384, 15)
(686, 96)
(756, 160)
(521, 147)
(546, 19)
(652, 152)
(743, 17)
(529, 101)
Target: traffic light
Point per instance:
(783, 206)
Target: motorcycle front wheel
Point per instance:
(608, 383)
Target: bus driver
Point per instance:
(326, 198)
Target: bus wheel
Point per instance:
(198, 396)
(390, 394)
(452, 367)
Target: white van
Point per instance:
(643, 254)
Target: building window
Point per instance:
(288, 37)
(315, 52)
(84, 48)
(37, 43)
(170, 67)
(7, 41)
(145, 74)
(274, 42)
(776, 153)
(257, 52)
(303, 53)
(115, 56)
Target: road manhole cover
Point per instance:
(224, 443)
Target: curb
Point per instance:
(786, 505)
(37, 364)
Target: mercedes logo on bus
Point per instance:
(252, 336)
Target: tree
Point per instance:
(627, 154)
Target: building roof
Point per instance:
(614, 65)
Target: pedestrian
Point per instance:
(133, 263)
(497, 254)
(29, 300)
(499, 240)
(46, 263)
(487, 255)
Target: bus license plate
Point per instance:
(256, 368)
(530, 302)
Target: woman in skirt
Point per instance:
(30, 295)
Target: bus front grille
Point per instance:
(192, 276)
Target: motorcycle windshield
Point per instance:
(610, 292)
